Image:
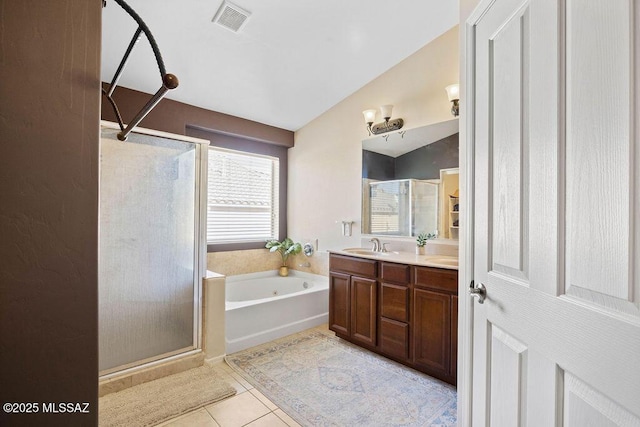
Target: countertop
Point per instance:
(438, 261)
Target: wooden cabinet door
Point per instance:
(432, 330)
(339, 303)
(363, 310)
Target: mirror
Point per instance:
(410, 182)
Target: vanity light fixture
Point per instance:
(453, 91)
(386, 126)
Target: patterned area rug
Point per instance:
(321, 380)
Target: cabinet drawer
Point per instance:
(390, 272)
(436, 278)
(357, 266)
(394, 338)
(394, 302)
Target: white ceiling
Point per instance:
(290, 62)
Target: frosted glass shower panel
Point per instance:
(147, 248)
(404, 207)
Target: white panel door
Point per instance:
(554, 112)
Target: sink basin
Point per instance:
(363, 251)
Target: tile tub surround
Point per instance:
(318, 263)
(213, 316)
(233, 263)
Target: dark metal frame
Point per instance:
(169, 81)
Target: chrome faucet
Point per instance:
(376, 244)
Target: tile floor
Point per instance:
(248, 407)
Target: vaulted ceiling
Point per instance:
(291, 60)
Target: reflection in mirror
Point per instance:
(410, 182)
(449, 203)
(401, 207)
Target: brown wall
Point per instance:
(49, 129)
(172, 116)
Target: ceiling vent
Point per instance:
(231, 16)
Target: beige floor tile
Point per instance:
(232, 382)
(262, 398)
(198, 418)
(241, 380)
(237, 410)
(286, 418)
(269, 420)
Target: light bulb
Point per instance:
(453, 91)
(369, 116)
(386, 111)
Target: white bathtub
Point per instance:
(261, 307)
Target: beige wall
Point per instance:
(325, 164)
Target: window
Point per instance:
(243, 197)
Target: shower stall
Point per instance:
(152, 250)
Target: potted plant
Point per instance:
(422, 240)
(285, 248)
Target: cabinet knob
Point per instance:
(478, 291)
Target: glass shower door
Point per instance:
(148, 257)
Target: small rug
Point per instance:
(321, 380)
(151, 403)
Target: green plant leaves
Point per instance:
(285, 248)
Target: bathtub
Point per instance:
(261, 307)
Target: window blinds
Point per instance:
(385, 207)
(242, 197)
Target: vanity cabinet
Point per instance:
(353, 299)
(434, 336)
(405, 312)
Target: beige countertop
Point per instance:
(438, 261)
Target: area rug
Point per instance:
(159, 400)
(321, 380)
